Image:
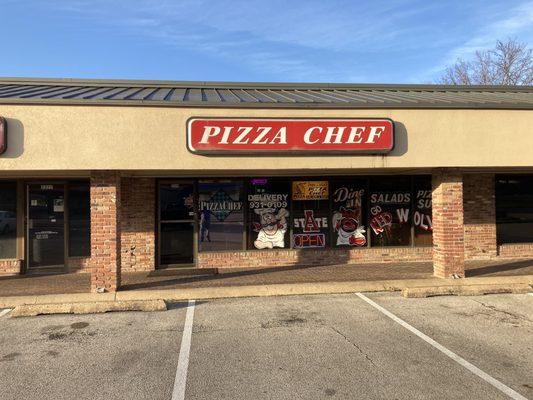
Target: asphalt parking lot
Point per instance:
(374, 346)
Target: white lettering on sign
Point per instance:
(307, 135)
(210, 131)
(243, 135)
(356, 134)
(264, 135)
(375, 132)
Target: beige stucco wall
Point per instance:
(48, 138)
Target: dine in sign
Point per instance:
(300, 136)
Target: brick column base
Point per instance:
(448, 227)
(138, 224)
(105, 231)
(480, 216)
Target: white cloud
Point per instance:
(311, 39)
(273, 36)
(517, 20)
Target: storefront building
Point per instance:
(114, 176)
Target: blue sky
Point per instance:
(403, 41)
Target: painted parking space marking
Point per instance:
(472, 368)
(5, 312)
(183, 360)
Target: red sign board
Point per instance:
(301, 136)
(3, 135)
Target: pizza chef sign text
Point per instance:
(273, 135)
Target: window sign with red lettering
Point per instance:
(390, 214)
(347, 219)
(273, 135)
(310, 227)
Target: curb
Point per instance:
(31, 310)
(471, 290)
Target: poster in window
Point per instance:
(268, 205)
(389, 214)
(422, 217)
(221, 222)
(310, 190)
(311, 213)
(347, 220)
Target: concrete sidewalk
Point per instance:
(181, 279)
(500, 284)
(173, 285)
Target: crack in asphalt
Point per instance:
(354, 345)
(508, 313)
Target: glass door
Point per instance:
(46, 226)
(177, 221)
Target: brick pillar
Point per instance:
(480, 216)
(138, 224)
(448, 228)
(105, 230)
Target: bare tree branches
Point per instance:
(509, 63)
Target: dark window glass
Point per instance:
(79, 214)
(422, 218)
(8, 219)
(46, 225)
(514, 208)
(348, 222)
(310, 209)
(177, 242)
(268, 213)
(176, 201)
(390, 211)
(221, 220)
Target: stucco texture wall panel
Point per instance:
(48, 138)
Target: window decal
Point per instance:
(347, 219)
(268, 204)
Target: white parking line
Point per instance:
(183, 360)
(472, 368)
(4, 312)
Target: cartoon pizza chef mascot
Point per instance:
(271, 230)
(349, 232)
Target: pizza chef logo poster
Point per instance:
(221, 215)
(310, 220)
(347, 219)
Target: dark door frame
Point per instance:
(27, 269)
(194, 220)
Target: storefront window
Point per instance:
(422, 217)
(514, 208)
(221, 219)
(310, 209)
(176, 201)
(79, 214)
(268, 213)
(390, 211)
(8, 219)
(348, 221)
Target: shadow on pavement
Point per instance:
(500, 267)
